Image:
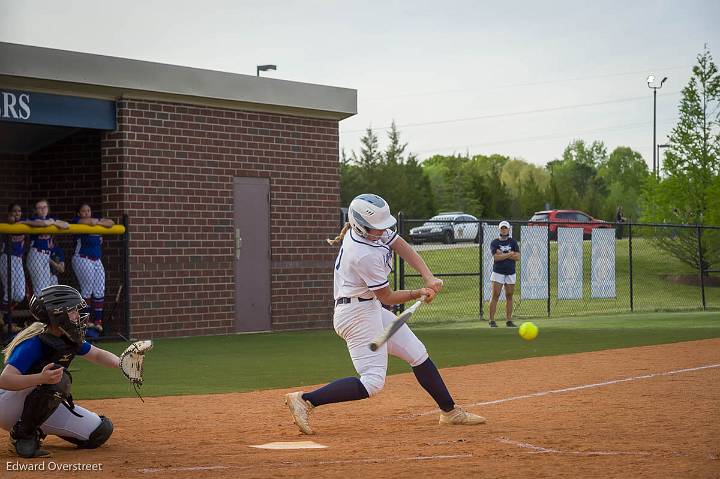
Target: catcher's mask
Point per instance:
(53, 307)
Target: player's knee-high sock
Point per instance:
(429, 378)
(345, 389)
(98, 309)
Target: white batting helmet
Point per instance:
(368, 211)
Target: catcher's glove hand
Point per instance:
(132, 359)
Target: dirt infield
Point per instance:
(638, 412)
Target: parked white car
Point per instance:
(447, 227)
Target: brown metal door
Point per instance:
(251, 225)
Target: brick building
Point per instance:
(230, 182)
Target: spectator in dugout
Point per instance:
(42, 247)
(13, 249)
(88, 266)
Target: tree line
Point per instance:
(584, 177)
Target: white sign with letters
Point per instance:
(15, 106)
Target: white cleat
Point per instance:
(300, 410)
(458, 416)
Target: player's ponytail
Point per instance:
(31, 331)
(338, 239)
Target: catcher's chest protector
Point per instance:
(55, 350)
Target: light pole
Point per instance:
(264, 68)
(664, 145)
(650, 81)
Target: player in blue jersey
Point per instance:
(41, 246)
(506, 252)
(17, 274)
(88, 266)
(360, 288)
(35, 385)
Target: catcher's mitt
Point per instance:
(131, 362)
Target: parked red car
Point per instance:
(567, 219)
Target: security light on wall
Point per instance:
(264, 68)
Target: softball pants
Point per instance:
(61, 423)
(358, 323)
(17, 276)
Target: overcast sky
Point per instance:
(520, 78)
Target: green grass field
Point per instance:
(288, 359)
(652, 289)
(449, 327)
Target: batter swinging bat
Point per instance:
(396, 324)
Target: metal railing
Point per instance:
(102, 281)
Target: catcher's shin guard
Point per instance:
(97, 438)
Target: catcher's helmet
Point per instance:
(368, 211)
(52, 306)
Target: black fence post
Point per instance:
(701, 265)
(548, 269)
(481, 284)
(126, 273)
(395, 256)
(8, 287)
(8, 255)
(632, 299)
(401, 262)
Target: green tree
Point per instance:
(392, 174)
(688, 191)
(575, 183)
(624, 172)
(526, 185)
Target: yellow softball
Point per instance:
(528, 331)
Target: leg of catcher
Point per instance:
(39, 405)
(97, 437)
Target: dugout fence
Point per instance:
(571, 271)
(64, 265)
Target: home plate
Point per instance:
(291, 445)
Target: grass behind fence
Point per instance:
(653, 289)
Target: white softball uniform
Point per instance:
(60, 423)
(38, 265)
(90, 274)
(362, 266)
(17, 276)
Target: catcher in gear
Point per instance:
(35, 386)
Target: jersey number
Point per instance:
(337, 266)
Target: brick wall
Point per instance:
(66, 174)
(14, 180)
(171, 167)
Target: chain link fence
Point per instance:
(567, 269)
(37, 261)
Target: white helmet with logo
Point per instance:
(368, 211)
